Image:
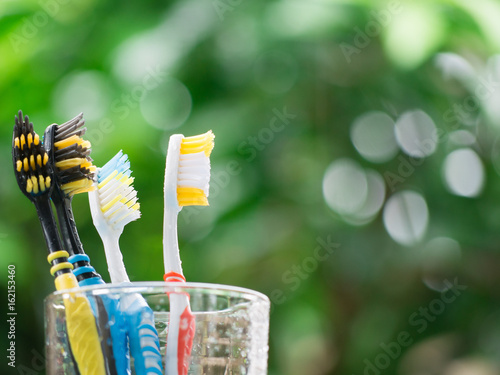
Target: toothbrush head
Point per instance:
(34, 176)
(193, 175)
(116, 197)
(71, 156)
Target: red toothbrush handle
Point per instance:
(187, 325)
(185, 345)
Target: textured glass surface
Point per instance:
(232, 326)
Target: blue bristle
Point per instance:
(119, 163)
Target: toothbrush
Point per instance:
(69, 157)
(187, 178)
(114, 204)
(35, 178)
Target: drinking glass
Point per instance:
(232, 325)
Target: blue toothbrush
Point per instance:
(114, 204)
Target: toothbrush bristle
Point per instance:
(117, 197)
(198, 143)
(193, 178)
(72, 157)
(32, 173)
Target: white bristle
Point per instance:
(194, 171)
(114, 204)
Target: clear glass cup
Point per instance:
(231, 335)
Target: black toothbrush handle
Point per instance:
(48, 223)
(67, 222)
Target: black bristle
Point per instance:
(74, 174)
(20, 154)
(69, 133)
(73, 151)
(75, 120)
(70, 128)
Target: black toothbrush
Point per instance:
(69, 156)
(35, 178)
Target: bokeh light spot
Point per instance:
(413, 34)
(167, 106)
(87, 92)
(455, 66)
(462, 138)
(440, 257)
(345, 186)
(374, 200)
(416, 134)
(373, 136)
(464, 173)
(406, 217)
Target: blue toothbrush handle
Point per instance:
(143, 337)
(115, 319)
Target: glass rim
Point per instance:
(166, 287)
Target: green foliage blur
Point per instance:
(281, 84)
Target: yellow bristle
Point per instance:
(75, 184)
(16, 142)
(82, 190)
(107, 179)
(23, 141)
(70, 163)
(85, 144)
(39, 160)
(126, 180)
(32, 162)
(67, 142)
(41, 182)
(19, 165)
(78, 187)
(87, 164)
(198, 143)
(48, 180)
(198, 138)
(136, 207)
(81, 142)
(36, 190)
(29, 186)
(26, 165)
(30, 140)
(112, 203)
(194, 202)
(45, 158)
(189, 196)
(36, 141)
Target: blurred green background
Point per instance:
(355, 178)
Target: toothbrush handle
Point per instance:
(83, 270)
(80, 321)
(181, 331)
(114, 257)
(67, 221)
(113, 336)
(117, 333)
(144, 342)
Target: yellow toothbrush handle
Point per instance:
(80, 320)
